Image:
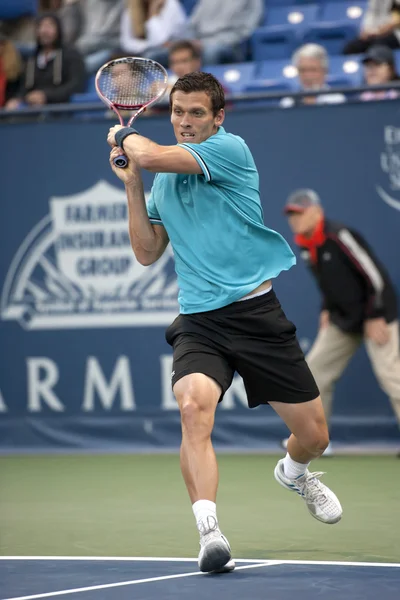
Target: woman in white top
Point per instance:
(149, 24)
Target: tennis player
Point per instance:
(205, 200)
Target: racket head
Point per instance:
(131, 83)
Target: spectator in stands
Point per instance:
(312, 64)
(379, 68)
(10, 69)
(381, 25)
(184, 57)
(359, 302)
(147, 25)
(101, 31)
(70, 15)
(220, 28)
(54, 73)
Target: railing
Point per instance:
(233, 100)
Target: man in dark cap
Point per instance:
(380, 69)
(358, 299)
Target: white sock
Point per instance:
(293, 469)
(205, 513)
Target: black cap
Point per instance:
(379, 55)
(299, 200)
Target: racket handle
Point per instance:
(120, 161)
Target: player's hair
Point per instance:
(185, 45)
(201, 82)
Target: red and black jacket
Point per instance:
(354, 284)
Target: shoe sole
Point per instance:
(215, 558)
(228, 568)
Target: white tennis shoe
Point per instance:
(215, 552)
(321, 501)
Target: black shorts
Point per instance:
(252, 337)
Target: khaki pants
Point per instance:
(332, 351)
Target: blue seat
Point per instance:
(89, 95)
(276, 69)
(351, 11)
(344, 71)
(347, 68)
(331, 36)
(269, 3)
(292, 15)
(189, 5)
(234, 77)
(13, 9)
(397, 60)
(269, 86)
(282, 31)
(273, 43)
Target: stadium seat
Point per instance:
(269, 3)
(273, 43)
(397, 60)
(277, 70)
(331, 36)
(346, 68)
(268, 86)
(295, 16)
(189, 5)
(13, 9)
(350, 11)
(89, 95)
(282, 30)
(234, 77)
(344, 71)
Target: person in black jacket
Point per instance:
(54, 73)
(359, 300)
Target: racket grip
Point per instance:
(120, 161)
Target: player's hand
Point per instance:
(36, 98)
(377, 331)
(111, 135)
(324, 319)
(127, 175)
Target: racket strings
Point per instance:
(131, 82)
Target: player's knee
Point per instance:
(317, 440)
(197, 421)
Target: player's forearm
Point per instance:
(145, 242)
(142, 151)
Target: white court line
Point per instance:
(124, 583)
(120, 558)
(167, 559)
(337, 563)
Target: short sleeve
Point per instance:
(221, 158)
(152, 211)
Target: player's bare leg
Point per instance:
(197, 396)
(309, 439)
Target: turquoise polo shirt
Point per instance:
(214, 221)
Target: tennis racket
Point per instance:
(131, 84)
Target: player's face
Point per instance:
(192, 117)
(311, 73)
(304, 223)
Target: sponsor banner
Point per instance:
(84, 358)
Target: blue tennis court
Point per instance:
(29, 578)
